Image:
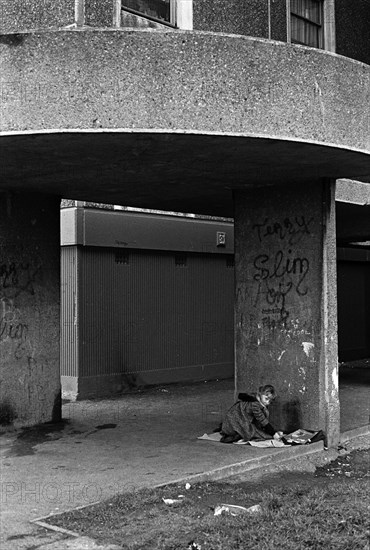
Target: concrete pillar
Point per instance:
(29, 309)
(286, 311)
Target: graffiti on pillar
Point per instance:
(280, 273)
(13, 329)
(289, 230)
(17, 277)
(10, 324)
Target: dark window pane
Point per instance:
(160, 9)
(306, 22)
(309, 9)
(305, 33)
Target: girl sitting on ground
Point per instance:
(248, 418)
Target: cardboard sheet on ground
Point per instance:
(262, 444)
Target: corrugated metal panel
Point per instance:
(69, 313)
(139, 311)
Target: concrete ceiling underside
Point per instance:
(168, 171)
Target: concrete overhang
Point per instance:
(176, 120)
(168, 171)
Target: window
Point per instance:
(160, 10)
(307, 25)
(174, 13)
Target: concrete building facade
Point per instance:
(246, 109)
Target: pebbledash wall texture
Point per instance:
(352, 20)
(224, 103)
(258, 18)
(19, 15)
(235, 17)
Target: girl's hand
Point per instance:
(278, 435)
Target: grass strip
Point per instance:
(331, 514)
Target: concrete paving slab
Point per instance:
(112, 446)
(354, 395)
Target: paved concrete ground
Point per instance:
(143, 439)
(354, 397)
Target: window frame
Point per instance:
(181, 14)
(172, 10)
(328, 25)
(312, 23)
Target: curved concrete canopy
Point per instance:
(174, 120)
(169, 171)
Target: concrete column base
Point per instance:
(29, 309)
(285, 311)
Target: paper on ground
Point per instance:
(266, 443)
(211, 437)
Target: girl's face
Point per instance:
(266, 399)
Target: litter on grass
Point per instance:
(172, 500)
(235, 510)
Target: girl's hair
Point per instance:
(267, 390)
